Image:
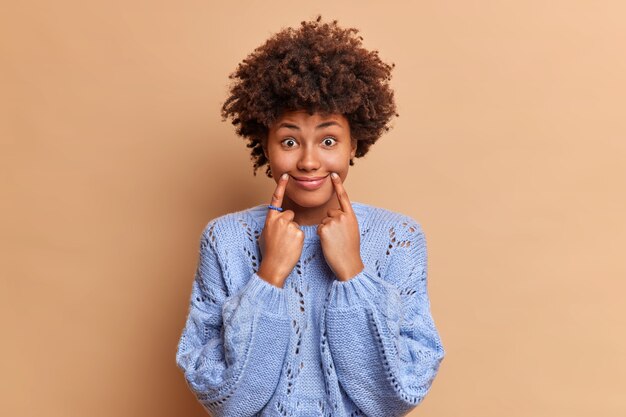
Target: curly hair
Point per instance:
(319, 67)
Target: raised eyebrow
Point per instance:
(319, 126)
(288, 126)
(326, 124)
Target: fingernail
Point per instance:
(334, 175)
(284, 176)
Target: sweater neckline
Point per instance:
(259, 214)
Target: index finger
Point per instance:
(342, 195)
(279, 192)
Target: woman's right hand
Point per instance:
(281, 241)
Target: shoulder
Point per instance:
(233, 227)
(391, 221)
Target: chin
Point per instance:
(310, 199)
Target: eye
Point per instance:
(287, 140)
(329, 138)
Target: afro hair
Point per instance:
(319, 67)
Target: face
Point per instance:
(309, 146)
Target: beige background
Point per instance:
(509, 149)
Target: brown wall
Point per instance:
(510, 150)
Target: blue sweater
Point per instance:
(318, 346)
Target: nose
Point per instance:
(309, 160)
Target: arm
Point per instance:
(380, 332)
(232, 347)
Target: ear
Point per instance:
(353, 152)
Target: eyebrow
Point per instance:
(319, 126)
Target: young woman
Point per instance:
(313, 304)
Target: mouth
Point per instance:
(309, 184)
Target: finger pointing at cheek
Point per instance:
(342, 195)
(340, 237)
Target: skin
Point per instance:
(304, 149)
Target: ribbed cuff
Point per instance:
(269, 298)
(362, 288)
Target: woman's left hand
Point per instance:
(340, 237)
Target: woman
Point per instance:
(311, 305)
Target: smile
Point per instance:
(310, 185)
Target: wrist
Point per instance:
(271, 275)
(349, 273)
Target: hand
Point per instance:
(340, 237)
(281, 241)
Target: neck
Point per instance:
(307, 216)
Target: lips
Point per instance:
(308, 178)
(310, 183)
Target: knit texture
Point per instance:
(317, 347)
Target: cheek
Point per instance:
(281, 160)
(338, 162)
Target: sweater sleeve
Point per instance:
(232, 347)
(380, 332)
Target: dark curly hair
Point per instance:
(319, 67)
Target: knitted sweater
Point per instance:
(318, 346)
